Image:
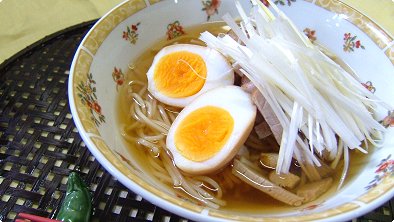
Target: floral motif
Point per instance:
(87, 94)
(131, 34)
(265, 2)
(118, 77)
(283, 2)
(384, 169)
(312, 207)
(174, 30)
(311, 34)
(368, 85)
(211, 7)
(351, 43)
(388, 121)
(280, 2)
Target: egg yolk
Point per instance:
(180, 74)
(203, 133)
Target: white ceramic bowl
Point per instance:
(133, 26)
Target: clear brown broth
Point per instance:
(240, 198)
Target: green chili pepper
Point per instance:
(77, 205)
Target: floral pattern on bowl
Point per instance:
(174, 30)
(283, 2)
(351, 43)
(388, 121)
(384, 169)
(311, 34)
(118, 77)
(368, 85)
(211, 7)
(87, 94)
(131, 33)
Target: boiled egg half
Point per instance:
(209, 132)
(179, 73)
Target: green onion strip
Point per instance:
(308, 92)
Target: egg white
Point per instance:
(242, 109)
(219, 72)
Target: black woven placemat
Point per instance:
(39, 144)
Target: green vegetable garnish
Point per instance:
(77, 205)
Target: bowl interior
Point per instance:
(131, 28)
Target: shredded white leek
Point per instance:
(308, 92)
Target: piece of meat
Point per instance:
(324, 170)
(271, 142)
(255, 143)
(311, 191)
(263, 184)
(259, 118)
(268, 114)
(315, 173)
(246, 80)
(265, 145)
(237, 79)
(262, 130)
(269, 160)
(284, 180)
(247, 85)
